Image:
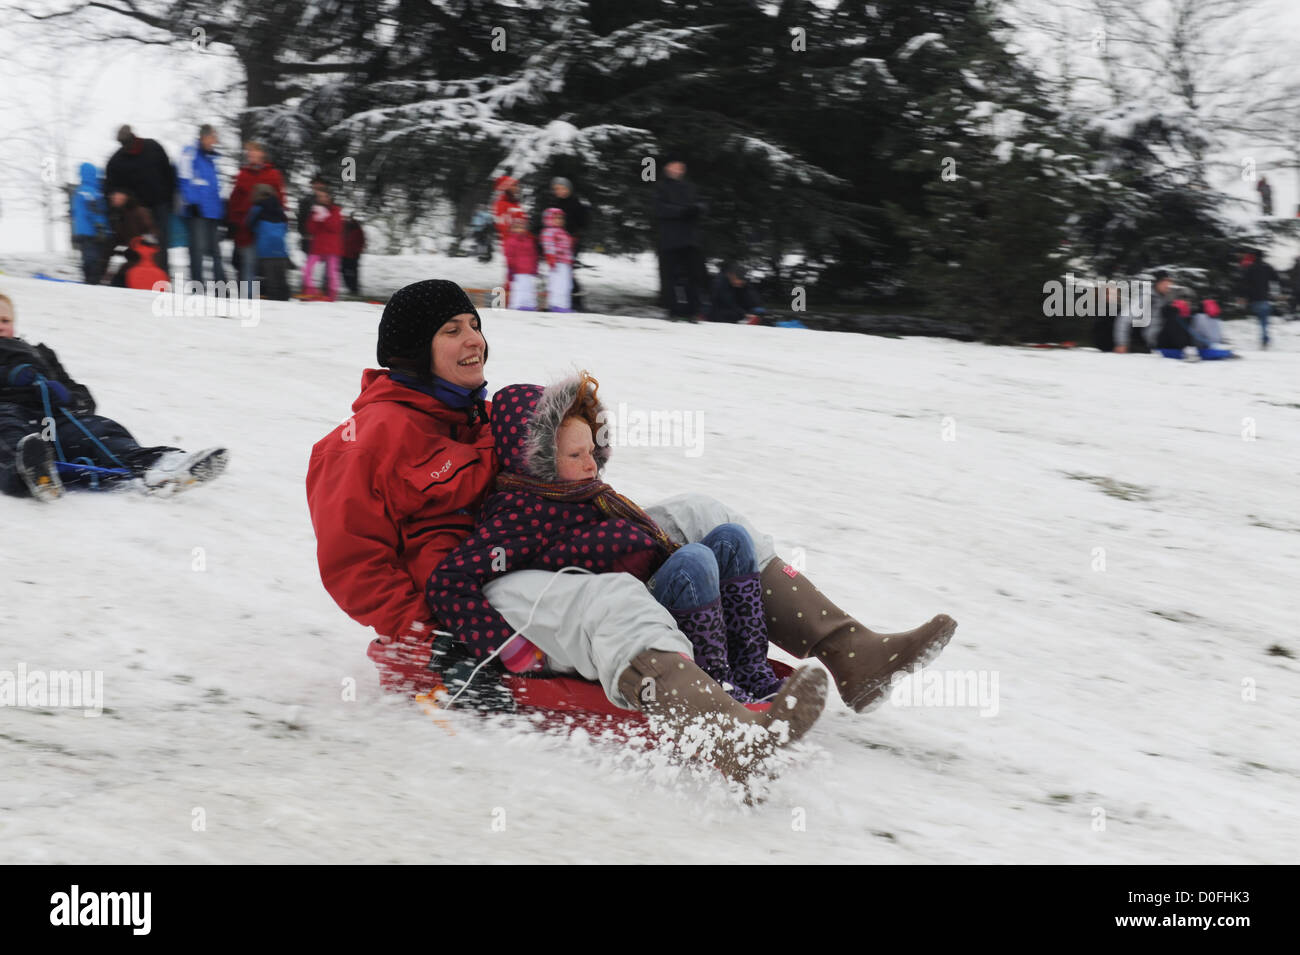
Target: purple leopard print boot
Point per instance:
(703, 626)
(742, 613)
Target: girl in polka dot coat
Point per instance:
(551, 510)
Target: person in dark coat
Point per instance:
(141, 167)
(1265, 191)
(354, 243)
(50, 434)
(577, 216)
(733, 299)
(1175, 329)
(1255, 285)
(683, 277)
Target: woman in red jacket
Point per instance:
(255, 172)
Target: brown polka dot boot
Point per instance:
(802, 621)
(703, 722)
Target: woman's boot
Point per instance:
(802, 621)
(742, 612)
(704, 627)
(708, 724)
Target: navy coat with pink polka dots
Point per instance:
(524, 531)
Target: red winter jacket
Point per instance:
(391, 491)
(523, 531)
(241, 198)
(326, 229)
(521, 253)
(503, 211)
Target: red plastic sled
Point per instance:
(402, 668)
(562, 694)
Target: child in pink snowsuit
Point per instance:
(521, 263)
(326, 230)
(558, 246)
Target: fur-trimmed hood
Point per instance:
(525, 422)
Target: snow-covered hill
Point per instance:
(1117, 536)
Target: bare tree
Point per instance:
(1210, 70)
(278, 45)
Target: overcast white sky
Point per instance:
(74, 96)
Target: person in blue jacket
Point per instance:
(202, 203)
(90, 230)
(270, 228)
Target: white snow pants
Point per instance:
(595, 624)
(559, 287)
(523, 292)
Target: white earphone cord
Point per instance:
(520, 632)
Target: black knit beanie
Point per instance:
(413, 316)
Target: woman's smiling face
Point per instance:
(457, 351)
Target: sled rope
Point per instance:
(43, 385)
(95, 441)
(520, 632)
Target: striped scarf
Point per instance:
(607, 500)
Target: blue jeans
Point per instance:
(1261, 311)
(692, 576)
(203, 243)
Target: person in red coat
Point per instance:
(398, 485)
(505, 204)
(326, 229)
(521, 263)
(256, 171)
(504, 209)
